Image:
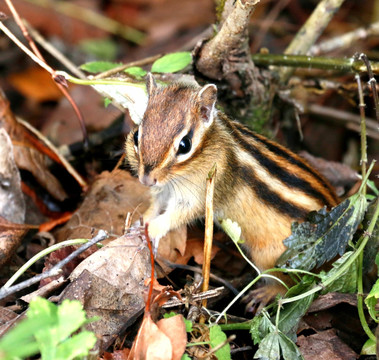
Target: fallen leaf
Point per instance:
(35, 83)
(27, 151)
(175, 329)
(12, 203)
(325, 345)
(110, 284)
(11, 235)
(109, 199)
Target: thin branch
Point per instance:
(91, 17)
(310, 32)
(55, 270)
(346, 40)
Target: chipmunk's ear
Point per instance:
(151, 85)
(207, 97)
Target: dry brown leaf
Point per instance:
(175, 329)
(325, 345)
(10, 238)
(151, 343)
(35, 83)
(110, 284)
(26, 155)
(195, 249)
(110, 198)
(12, 203)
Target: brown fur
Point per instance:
(246, 190)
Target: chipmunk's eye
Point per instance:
(135, 138)
(184, 145)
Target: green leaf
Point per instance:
(232, 229)
(47, 328)
(78, 345)
(345, 283)
(369, 348)
(99, 66)
(260, 327)
(277, 346)
(313, 243)
(185, 357)
(372, 247)
(171, 63)
(217, 336)
(291, 315)
(136, 71)
(371, 301)
(107, 102)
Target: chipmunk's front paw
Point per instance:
(157, 229)
(257, 299)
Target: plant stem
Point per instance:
(40, 255)
(361, 313)
(314, 62)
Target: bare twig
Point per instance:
(208, 236)
(351, 120)
(91, 17)
(194, 298)
(55, 270)
(346, 40)
(122, 67)
(310, 32)
(83, 184)
(372, 83)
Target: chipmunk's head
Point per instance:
(171, 132)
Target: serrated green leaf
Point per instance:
(217, 336)
(46, 327)
(345, 283)
(369, 348)
(171, 63)
(372, 247)
(232, 229)
(277, 346)
(99, 66)
(136, 71)
(313, 243)
(371, 301)
(291, 315)
(78, 345)
(260, 326)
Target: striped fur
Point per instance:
(260, 184)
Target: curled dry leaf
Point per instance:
(165, 340)
(26, 154)
(110, 198)
(10, 238)
(12, 204)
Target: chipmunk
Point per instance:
(260, 184)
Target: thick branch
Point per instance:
(232, 36)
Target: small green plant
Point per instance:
(48, 330)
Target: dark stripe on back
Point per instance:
(284, 154)
(270, 197)
(279, 172)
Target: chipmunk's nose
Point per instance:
(148, 180)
